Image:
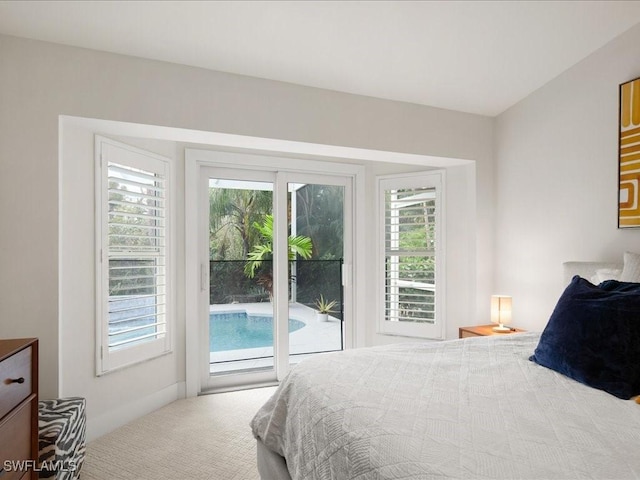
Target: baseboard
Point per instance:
(107, 422)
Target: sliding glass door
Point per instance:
(275, 248)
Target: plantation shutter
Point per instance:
(137, 241)
(135, 263)
(410, 250)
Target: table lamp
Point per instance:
(501, 312)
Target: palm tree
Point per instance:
(299, 245)
(232, 213)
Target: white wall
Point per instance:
(117, 397)
(556, 161)
(40, 81)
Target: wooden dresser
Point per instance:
(18, 409)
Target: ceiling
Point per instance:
(472, 56)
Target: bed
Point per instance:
(471, 408)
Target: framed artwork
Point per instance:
(629, 155)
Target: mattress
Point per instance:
(472, 408)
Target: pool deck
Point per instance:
(315, 336)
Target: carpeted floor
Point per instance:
(206, 437)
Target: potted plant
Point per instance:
(324, 308)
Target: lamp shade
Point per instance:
(500, 309)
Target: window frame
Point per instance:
(429, 179)
(129, 156)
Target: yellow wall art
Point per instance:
(629, 155)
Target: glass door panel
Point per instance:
(241, 312)
(316, 306)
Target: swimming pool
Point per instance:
(238, 330)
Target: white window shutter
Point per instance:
(134, 274)
(411, 254)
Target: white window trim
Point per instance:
(432, 178)
(106, 361)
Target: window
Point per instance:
(133, 266)
(411, 255)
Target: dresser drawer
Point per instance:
(13, 454)
(15, 380)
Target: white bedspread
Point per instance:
(472, 408)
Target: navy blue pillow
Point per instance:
(593, 336)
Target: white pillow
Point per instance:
(603, 274)
(631, 269)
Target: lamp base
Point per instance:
(501, 329)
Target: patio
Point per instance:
(315, 336)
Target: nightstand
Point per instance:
(483, 331)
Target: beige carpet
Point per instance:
(207, 437)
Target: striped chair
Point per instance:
(62, 443)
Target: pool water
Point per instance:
(238, 330)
